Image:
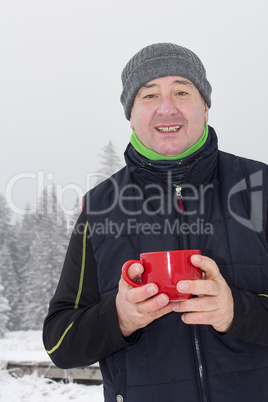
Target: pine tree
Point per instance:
(9, 263)
(26, 231)
(11, 291)
(4, 309)
(71, 220)
(110, 162)
(46, 254)
(5, 222)
(27, 235)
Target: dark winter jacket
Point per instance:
(222, 211)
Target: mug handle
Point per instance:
(125, 273)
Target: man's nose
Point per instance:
(167, 106)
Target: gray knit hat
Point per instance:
(162, 60)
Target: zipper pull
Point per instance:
(178, 191)
(179, 195)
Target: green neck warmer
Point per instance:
(154, 156)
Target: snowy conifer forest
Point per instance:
(32, 251)
(31, 256)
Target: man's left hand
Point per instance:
(214, 304)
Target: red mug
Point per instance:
(165, 269)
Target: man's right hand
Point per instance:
(138, 307)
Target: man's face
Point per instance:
(169, 115)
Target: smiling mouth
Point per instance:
(168, 129)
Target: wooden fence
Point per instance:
(86, 375)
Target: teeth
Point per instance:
(168, 129)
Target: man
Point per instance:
(178, 191)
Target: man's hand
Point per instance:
(214, 304)
(138, 307)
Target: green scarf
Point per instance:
(154, 156)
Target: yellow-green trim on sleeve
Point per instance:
(82, 267)
(79, 289)
(263, 295)
(60, 341)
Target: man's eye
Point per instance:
(182, 93)
(149, 96)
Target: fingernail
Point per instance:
(196, 258)
(162, 300)
(182, 286)
(137, 269)
(175, 306)
(152, 290)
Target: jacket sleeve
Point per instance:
(80, 328)
(250, 322)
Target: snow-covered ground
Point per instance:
(27, 346)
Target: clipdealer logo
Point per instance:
(133, 227)
(252, 187)
(41, 182)
(254, 222)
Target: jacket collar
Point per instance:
(201, 171)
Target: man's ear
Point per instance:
(206, 113)
(131, 122)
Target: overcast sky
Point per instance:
(60, 85)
